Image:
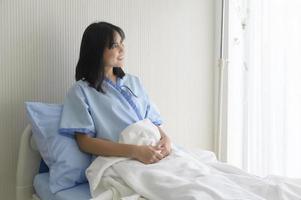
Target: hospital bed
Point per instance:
(32, 185)
(215, 179)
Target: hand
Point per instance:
(165, 145)
(147, 154)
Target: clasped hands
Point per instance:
(151, 154)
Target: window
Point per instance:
(264, 86)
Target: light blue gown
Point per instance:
(105, 115)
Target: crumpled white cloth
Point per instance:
(183, 175)
(103, 180)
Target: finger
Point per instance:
(162, 141)
(156, 157)
(157, 148)
(154, 160)
(164, 153)
(159, 155)
(159, 144)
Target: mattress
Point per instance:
(41, 182)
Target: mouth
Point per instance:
(120, 58)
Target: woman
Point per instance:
(105, 100)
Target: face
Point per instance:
(114, 57)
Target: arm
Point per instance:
(100, 147)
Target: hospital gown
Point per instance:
(105, 115)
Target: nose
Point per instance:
(121, 47)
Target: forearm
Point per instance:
(162, 133)
(164, 142)
(100, 147)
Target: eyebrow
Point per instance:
(121, 40)
(117, 42)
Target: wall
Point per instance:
(170, 46)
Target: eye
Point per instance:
(114, 45)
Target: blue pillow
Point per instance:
(67, 164)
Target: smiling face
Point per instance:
(114, 56)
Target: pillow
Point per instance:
(67, 164)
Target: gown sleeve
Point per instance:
(76, 115)
(152, 111)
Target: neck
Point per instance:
(109, 73)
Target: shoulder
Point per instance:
(135, 83)
(78, 88)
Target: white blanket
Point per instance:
(183, 175)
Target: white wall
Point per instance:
(170, 46)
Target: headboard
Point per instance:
(28, 166)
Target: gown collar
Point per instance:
(111, 82)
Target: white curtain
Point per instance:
(270, 106)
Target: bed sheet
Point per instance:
(80, 192)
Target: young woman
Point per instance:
(105, 100)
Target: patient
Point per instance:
(110, 115)
(104, 100)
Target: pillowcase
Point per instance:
(67, 164)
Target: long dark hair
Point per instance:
(90, 66)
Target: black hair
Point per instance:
(90, 66)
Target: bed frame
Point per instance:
(28, 166)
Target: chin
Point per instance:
(120, 65)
